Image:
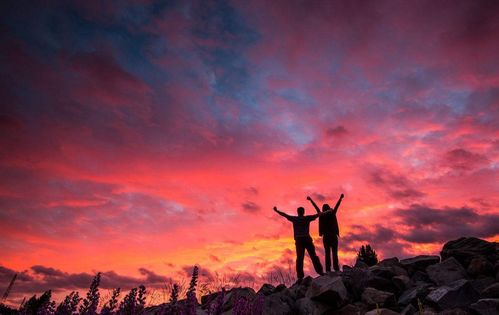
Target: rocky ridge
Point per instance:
(464, 279)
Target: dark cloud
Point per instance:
(428, 225)
(338, 131)
(251, 207)
(395, 185)
(463, 160)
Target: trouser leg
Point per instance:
(313, 256)
(334, 245)
(327, 252)
(300, 254)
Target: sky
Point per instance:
(142, 138)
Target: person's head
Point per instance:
(325, 207)
(300, 210)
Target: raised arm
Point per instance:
(313, 204)
(282, 213)
(338, 204)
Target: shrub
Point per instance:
(367, 255)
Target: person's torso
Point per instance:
(301, 226)
(328, 224)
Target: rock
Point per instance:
(486, 307)
(419, 263)
(459, 293)
(349, 309)
(409, 310)
(387, 262)
(346, 267)
(446, 272)
(355, 281)
(480, 266)
(207, 299)
(306, 306)
(455, 311)
(481, 283)
(465, 249)
(382, 311)
(402, 283)
(381, 271)
(411, 295)
(232, 295)
(328, 289)
(266, 289)
(376, 298)
(420, 276)
(278, 304)
(491, 291)
(360, 264)
(297, 291)
(381, 283)
(279, 288)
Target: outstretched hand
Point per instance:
(342, 196)
(275, 208)
(308, 198)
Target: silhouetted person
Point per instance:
(301, 227)
(329, 230)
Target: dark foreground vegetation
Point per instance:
(464, 279)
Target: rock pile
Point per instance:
(464, 280)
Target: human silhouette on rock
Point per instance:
(303, 240)
(330, 231)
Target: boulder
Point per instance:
(328, 289)
(401, 283)
(306, 306)
(278, 304)
(279, 288)
(376, 298)
(298, 290)
(455, 311)
(381, 283)
(465, 249)
(491, 291)
(266, 289)
(480, 266)
(481, 284)
(350, 309)
(382, 311)
(459, 293)
(355, 281)
(387, 262)
(419, 263)
(411, 295)
(420, 276)
(234, 294)
(446, 272)
(409, 310)
(486, 307)
(360, 264)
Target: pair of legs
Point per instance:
(303, 243)
(331, 245)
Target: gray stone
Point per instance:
(266, 289)
(482, 283)
(232, 295)
(279, 288)
(411, 295)
(382, 311)
(349, 309)
(278, 304)
(480, 266)
(377, 298)
(465, 249)
(361, 264)
(419, 263)
(328, 289)
(355, 281)
(459, 293)
(486, 307)
(491, 291)
(402, 283)
(387, 262)
(306, 306)
(455, 311)
(409, 310)
(446, 272)
(381, 283)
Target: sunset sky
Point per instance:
(140, 139)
